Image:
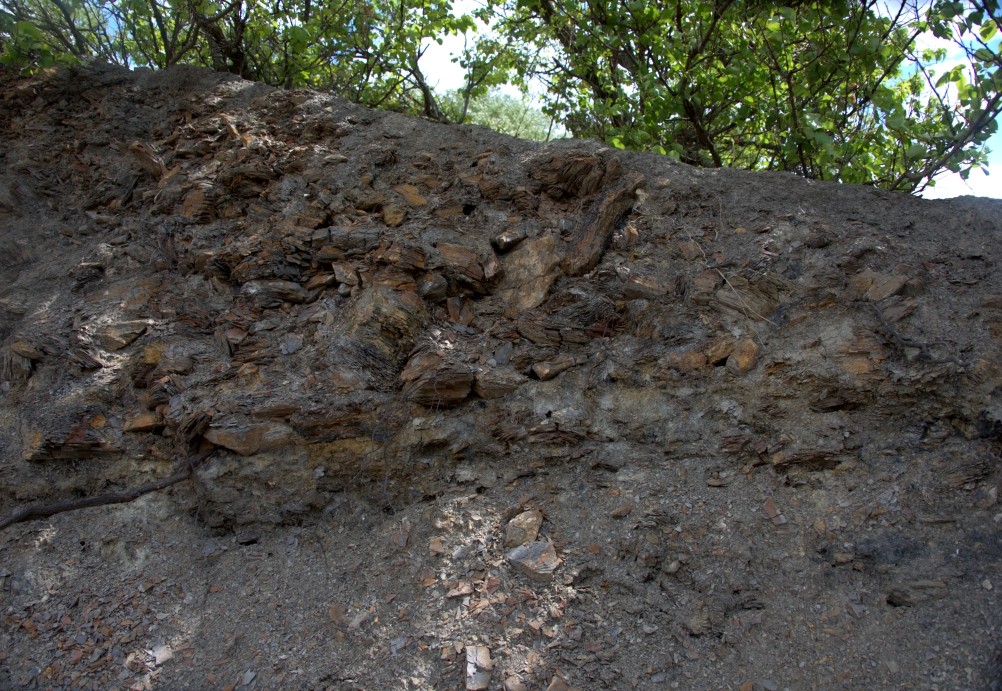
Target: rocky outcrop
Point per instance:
(342, 299)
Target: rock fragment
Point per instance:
(411, 195)
(645, 287)
(394, 216)
(774, 514)
(508, 238)
(478, 667)
(249, 439)
(119, 335)
(744, 356)
(267, 294)
(622, 510)
(523, 528)
(915, 592)
(875, 286)
(550, 369)
(536, 560)
(146, 421)
(431, 380)
(686, 361)
(497, 382)
(595, 228)
(529, 271)
(461, 263)
(690, 250)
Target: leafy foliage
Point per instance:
(830, 89)
(501, 112)
(366, 51)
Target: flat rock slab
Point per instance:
(536, 560)
(523, 528)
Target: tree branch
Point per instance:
(39, 511)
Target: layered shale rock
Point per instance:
(342, 299)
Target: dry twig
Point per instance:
(39, 511)
(905, 342)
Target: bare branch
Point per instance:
(39, 511)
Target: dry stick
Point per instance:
(38, 511)
(744, 304)
(706, 260)
(720, 217)
(904, 342)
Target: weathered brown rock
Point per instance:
(478, 667)
(198, 205)
(394, 215)
(433, 287)
(374, 336)
(273, 293)
(73, 435)
(411, 195)
(529, 272)
(810, 459)
(875, 286)
(551, 368)
(460, 310)
(536, 560)
(523, 528)
(915, 592)
(691, 250)
(492, 267)
(461, 263)
(509, 238)
(30, 349)
(755, 298)
(119, 335)
(146, 421)
(496, 382)
(645, 287)
(247, 439)
(744, 356)
(401, 255)
(704, 285)
(687, 360)
(429, 379)
(539, 328)
(595, 228)
(718, 351)
(574, 175)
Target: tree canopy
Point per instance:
(884, 93)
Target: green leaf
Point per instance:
(985, 55)
(28, 29)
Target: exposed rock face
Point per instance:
(336, 296)
(600, 420)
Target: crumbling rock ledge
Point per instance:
(347, 300)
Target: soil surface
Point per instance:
(482, 413)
